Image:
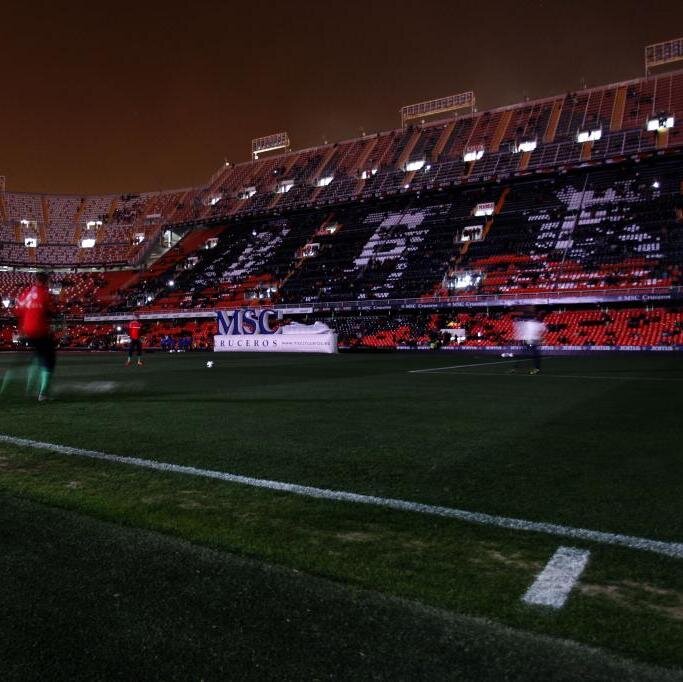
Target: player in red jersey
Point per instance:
(34, 310)
(134, 329)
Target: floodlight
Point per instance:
(473, 155)
(526, 146)
(415, 165)
(589, 135)
(660, 123)
(284, 186)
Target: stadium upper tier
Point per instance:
(589, 126)
(595, 229)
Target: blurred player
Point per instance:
(135, 345)
(529, 332)
(34, 309)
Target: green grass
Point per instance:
(111, 603)
(592, 442)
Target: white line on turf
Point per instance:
(567, 376)
(472, 364)
(554, 583)
(672, 549)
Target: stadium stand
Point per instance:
(568, 194)
(595, 327)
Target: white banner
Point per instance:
(276, 343)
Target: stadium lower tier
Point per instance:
(586, 327)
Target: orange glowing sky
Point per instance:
(133, 96)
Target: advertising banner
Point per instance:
(250, 331)
(277, 343)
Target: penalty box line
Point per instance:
(671, 549)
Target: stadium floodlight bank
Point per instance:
(443, 105)
(661, 54)
(269, 143)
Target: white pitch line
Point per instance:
(474, 364)
(554, 583)
(569, 376)
(672, 549)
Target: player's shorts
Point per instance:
(44, 350)
(135, 346)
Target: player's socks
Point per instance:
(127, 362)
(45, 379)
(31, 376)
(6, 380)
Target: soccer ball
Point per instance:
(209, 363)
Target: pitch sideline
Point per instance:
(671, 549)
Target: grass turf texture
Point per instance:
(592, 442)
(123, 604)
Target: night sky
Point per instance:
(108, 97)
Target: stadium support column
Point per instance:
(618, 108)
(318, 173)
(362, 160)
(291, 161)
(323, 164)
(112, 208)
(553, 121)
(501, 129)
(405, 154)
(662, 139)
(78, 224)
(42, 224)
(364, 155)
(408, 178)
(441, 142)
(173, 216)
(498, 208)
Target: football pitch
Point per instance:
(444, 482)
